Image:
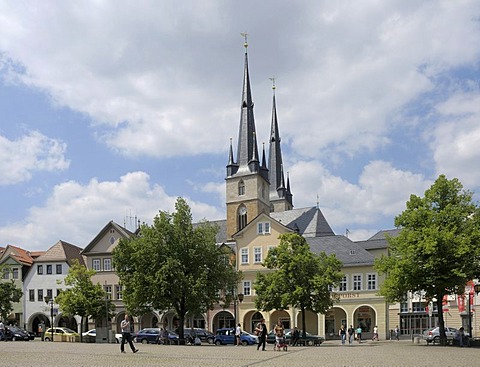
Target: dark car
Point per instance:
(308, 340)
(153, 335)
(14, 333)
(227, 336)
(204, 335)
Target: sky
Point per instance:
(110, 110)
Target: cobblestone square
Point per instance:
(331, 353)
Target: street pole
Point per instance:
(49, 300)
(51, 316)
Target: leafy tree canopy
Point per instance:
(83, 298)
(175, 265)
(438, 248)
(299, 278)
(9, 294)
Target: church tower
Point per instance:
(281, 198)
(247, 185)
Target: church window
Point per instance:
(241, 188)
(242, 217)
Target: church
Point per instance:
(260, 207)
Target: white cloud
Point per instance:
(30, 153)
(164, 80)
(382, 191)
(456, 139)
(76, 213)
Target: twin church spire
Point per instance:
(278, 195)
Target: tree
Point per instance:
(84, 298)
(175, 265)
(9, 294)
(298, 278)
(437, 250)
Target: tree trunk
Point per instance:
(304, 325)
(81, 329)
(441, 324)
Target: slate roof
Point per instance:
(347, 251)
(308, 222)
(221, 236)
(62, 251)
(379, 240)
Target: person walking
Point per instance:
(261, 330)
(397, 333)
(375, 333)
(279, 334)
(342, 333)
(351, 333)
(126, 335)
(295, 337)
(2, 330)
(359, 334)
(238, 333)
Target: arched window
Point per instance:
(242, 217)
(241, 188)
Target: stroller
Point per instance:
(281, 345)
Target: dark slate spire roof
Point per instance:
(232, 167)
(247, 143)
(308, 222)
(275, 153)
(278, 189)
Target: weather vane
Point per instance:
(245, 35)
(273, 82)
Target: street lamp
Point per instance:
(239, 298)
(47, 301)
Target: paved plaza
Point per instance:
(383, 353)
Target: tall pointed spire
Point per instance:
(280, 195)
(275, 153)
(247, 145)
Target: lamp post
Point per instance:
(49, 300)
(236, 298)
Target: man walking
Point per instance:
(2, 330)
(238, 334)
(262, 334)
(126, 335)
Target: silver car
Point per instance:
(433, 335)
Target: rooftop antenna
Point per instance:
(318, 204)
(130, 219)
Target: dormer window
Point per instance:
(263, 228)
(241, 188)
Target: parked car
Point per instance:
(14, 333)
(433, 334)
(61, 331)
(91, 332)
(227, 336)
(32, 335)
(152, 336)
(308, 340)
(204, 335)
